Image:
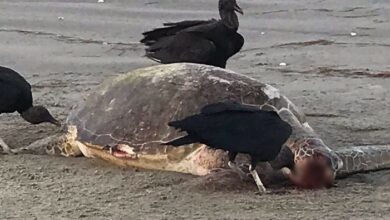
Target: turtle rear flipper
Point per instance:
(64, 144)
(41, 147)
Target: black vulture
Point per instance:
(210, 42)
(15, 95)
(236, 128)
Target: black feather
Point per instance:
(182, 141)
(236, 128)
(15, 92)
(228, 106)
(210, 42)
(15, 95)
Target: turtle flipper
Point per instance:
(64, 144)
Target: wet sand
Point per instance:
(341, 81)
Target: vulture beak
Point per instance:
(54, 122)
(238, 9)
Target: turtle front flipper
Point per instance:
(358, 159)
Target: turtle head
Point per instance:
(39, 114)
(315, 164)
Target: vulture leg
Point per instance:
(233, 165)
(5, 147)
(252, 170)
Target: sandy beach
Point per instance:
(337, 56)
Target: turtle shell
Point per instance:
(135, 108)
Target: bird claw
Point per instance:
(9, 152)
(333, 185)
(243, 176)
(5, 148)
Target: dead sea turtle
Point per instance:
(132, 112)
